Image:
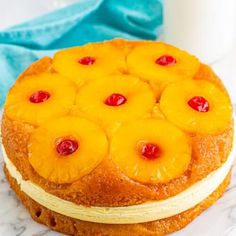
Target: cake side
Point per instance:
(72, 226)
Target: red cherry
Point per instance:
(67, 146)
(87, 61)
(150, 151)
(199, 104)
(115, 99)
(39, 96)
(166, 60)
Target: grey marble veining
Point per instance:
(14, 218)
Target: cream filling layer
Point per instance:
(141, 213)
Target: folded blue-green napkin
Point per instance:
(83, 22)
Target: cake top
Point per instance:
(133, 104)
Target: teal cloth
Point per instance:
(80, 23)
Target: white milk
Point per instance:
(206, 28)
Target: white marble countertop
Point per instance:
(218, 220)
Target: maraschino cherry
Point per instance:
(199, 104)
(115, 99)
(87, 61)
(166, 60)
(150, 151)
(39, 96)
(67, 146)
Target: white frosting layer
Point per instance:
(146, 212)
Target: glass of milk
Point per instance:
(206, 28)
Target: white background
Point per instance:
(16, 11)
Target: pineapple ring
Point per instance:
(68, 62)
(139, 100)
(48, 163)
(174, 105)
(172, 162)
(142, 62)
(19, 105)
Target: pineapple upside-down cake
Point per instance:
(118, 138)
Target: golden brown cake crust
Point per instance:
(80, 228)
(106, 185)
